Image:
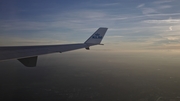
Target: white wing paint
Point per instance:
(28, 55)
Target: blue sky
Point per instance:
(133, 24)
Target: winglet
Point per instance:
(97, 37)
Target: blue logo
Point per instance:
(97, 36)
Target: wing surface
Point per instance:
(27, 55)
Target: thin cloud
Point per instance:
(163, 1)
(164, 6)
(172, 38)
(155, 7)
(175, 21)
(108, 4)
(114, 36)
(162, 14)
(149, 11)
(141, 5)
(170, 28)
(13, 41)
(22, 25)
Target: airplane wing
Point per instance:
(28, 55)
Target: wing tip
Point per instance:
(97, 36)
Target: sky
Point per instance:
(133, 24)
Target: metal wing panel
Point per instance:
(28, 51)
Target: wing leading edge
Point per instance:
(28, 55)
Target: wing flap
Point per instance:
(29, 62)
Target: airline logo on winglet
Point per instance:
(97, 36)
